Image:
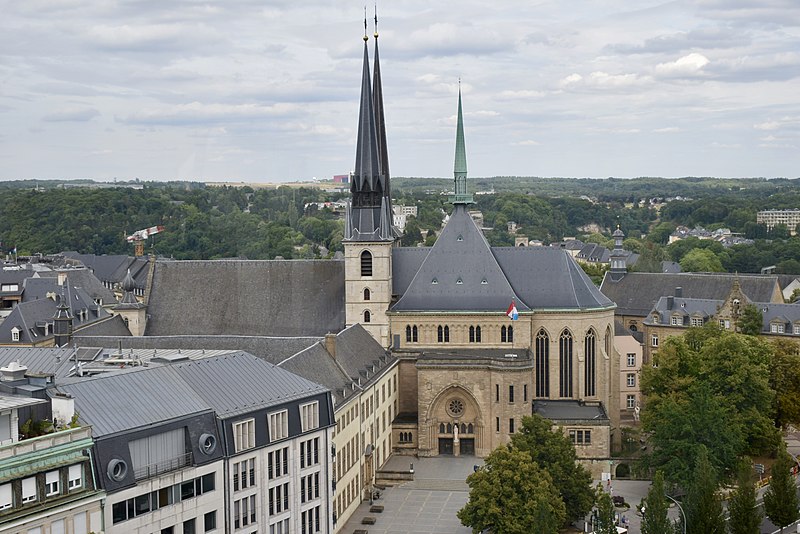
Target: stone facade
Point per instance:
(367, 296)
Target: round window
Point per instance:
(208, 443)
(117, 469)
(455, 407)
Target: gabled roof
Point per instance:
(128, 401)
(247, 297)
(459, 273)
(549, 278)
(111, 326)
(637, 293)
(357, 352)
(316, 364)
(256, 383)
(666, 307)
(113, 268)
(38, 360)
(86, 280)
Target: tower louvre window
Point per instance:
(366, 263)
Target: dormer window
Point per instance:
(15, 334)
(655, 318)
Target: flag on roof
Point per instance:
(512, 312)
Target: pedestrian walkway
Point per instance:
(426, 505)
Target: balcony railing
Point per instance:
(156, 469)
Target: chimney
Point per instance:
(679, 291)
(330, 344)
(14, 372)
(63, 406)
(62, 277)
(670, 301)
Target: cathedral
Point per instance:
(484, 335)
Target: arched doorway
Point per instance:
(456, 422)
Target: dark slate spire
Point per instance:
(619, 264)
(62, 320)
(460, 195)
(370, 183)
(128, 286)
(380, 122)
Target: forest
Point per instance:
(225, 222)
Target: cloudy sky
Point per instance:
(268, 90)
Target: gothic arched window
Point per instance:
(565, 364)
(366, 263)
(542, 364)
(367, 316)
(366, 293)
(590, 357)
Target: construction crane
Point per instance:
(138, 238)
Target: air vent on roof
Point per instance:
(459, 238)
(459, 282)
(434, 281)
(484, 281)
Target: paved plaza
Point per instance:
(428, 505)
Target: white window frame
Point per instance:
(28, 484)
(674, 320)
(75, 478)
(631, 359)
(631, 380)
(15, 334)
(796, 329)
(654, 340)
(309, 416)
(51, 483)
(278, 425)
(244, 434)
(630, 402)
(6, 496)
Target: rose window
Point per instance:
(455, 407)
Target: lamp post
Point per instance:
(679, 508)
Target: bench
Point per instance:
(368, 520)
(376, 509)
(360, 531)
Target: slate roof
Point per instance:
(637, 293)
(256, 383)
(459, 273)
(38, 360)
(686, 308)
(112, 326)
(127, 401)
(247, 297)
(549, 278)
(30, 317)
(86, 280)
(317, 365)
(147, 396)
(357, 352)
(566, 410)
(14, 276)
(671, 267)
(113, 268)
(406, 261)
(271, 349)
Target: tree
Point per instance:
(751, 320)
(701, 260)
(511, 494)
(780, 499)
(552, 450)
(655, 506)
(745, 516)
(784, 373)
(702, 505)
(606, 516)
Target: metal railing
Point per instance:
(156, 469)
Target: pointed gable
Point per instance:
(459, 273)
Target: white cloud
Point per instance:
(71, 115)
(668, 129)
(686, 66)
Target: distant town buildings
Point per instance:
(721, 235)
(771, 218)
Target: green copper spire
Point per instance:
(460, 195)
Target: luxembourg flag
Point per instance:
(512, 312)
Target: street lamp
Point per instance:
(679, 508)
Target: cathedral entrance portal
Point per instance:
(456, 422)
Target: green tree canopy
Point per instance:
(606, 517)
(655, 505)
(780, 499)
(784, 378)
(701, 260)
(711, 388)
(702, 505)
(751, 321)
(511, 494)
(552, 450)
(745, 516)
